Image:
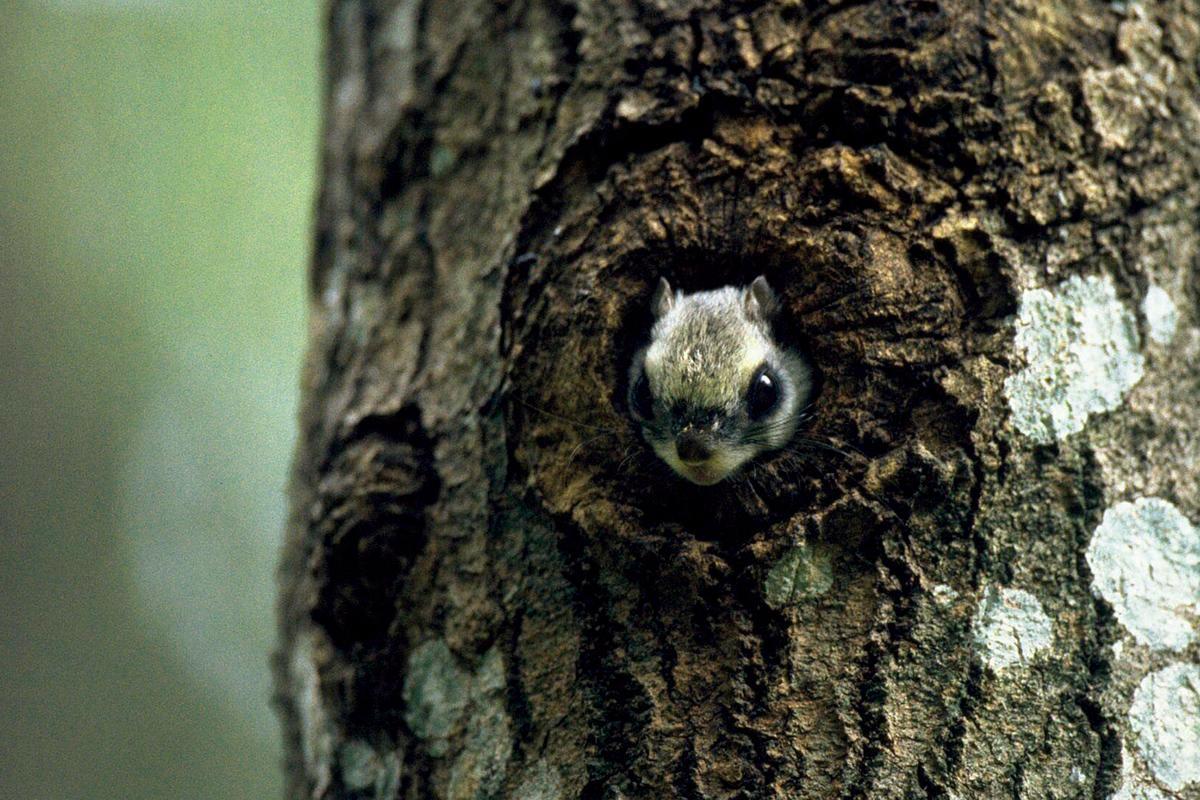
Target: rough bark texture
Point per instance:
(982, 219)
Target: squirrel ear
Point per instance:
(760, 299)
(664, 298)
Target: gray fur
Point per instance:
(761, 301)
(705, 349)
(664, 298)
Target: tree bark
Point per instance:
(975, 575)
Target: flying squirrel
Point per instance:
(713, 389)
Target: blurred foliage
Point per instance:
(157, 162)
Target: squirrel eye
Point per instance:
(640, 399)
(763, 394)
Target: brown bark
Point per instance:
(491, 588)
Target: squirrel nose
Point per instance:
(692, 449)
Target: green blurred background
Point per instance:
(157, 164)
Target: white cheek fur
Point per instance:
(724, 462)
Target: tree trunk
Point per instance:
(972, 576)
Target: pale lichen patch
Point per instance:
(1010, 627)
(1118, 110)
(436, 691)
(1134, 786)
(1161, 315)
(489, 678)
(365, 769)
(438, 694)
(801, 572)
(478, 771)
(635, 105)
(943, 594)
(1165, 716)
(542, 783)
(1081, 345)
(359, 763)
(1145, 561)
(316, 727)
(442, 160)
